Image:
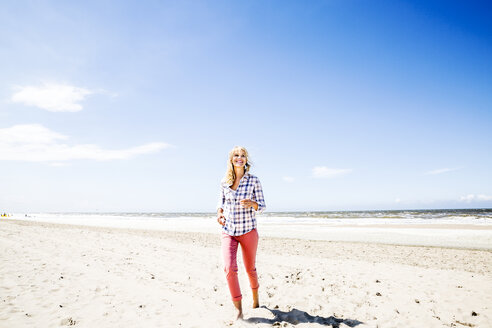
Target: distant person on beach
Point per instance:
(241, 196)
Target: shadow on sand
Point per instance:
(296, 316)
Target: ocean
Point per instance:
(438, 216)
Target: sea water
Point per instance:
(393, 217)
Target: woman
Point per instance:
(241, 196)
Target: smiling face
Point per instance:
(239, 158)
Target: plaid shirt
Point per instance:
(240, 220)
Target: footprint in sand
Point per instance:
(68, 322)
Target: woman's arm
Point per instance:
(258, 201)
(258, 196)
(220, 207)
(221, 201)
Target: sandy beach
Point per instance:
(54, 275)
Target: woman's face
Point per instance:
(239, 159)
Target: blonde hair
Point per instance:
(230, 174)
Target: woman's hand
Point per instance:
(221, 219)
(247, 203)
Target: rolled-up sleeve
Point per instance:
(221, 201)
(258, 196)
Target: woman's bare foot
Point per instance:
(239, 309)
(256, 302)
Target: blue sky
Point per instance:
(343, 105)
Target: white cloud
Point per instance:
(328, 173)
(440, 171)
(52, 97)
(475, 198)
(35, 143)
(397, 200)
(288, 179)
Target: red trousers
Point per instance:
(249, 244)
